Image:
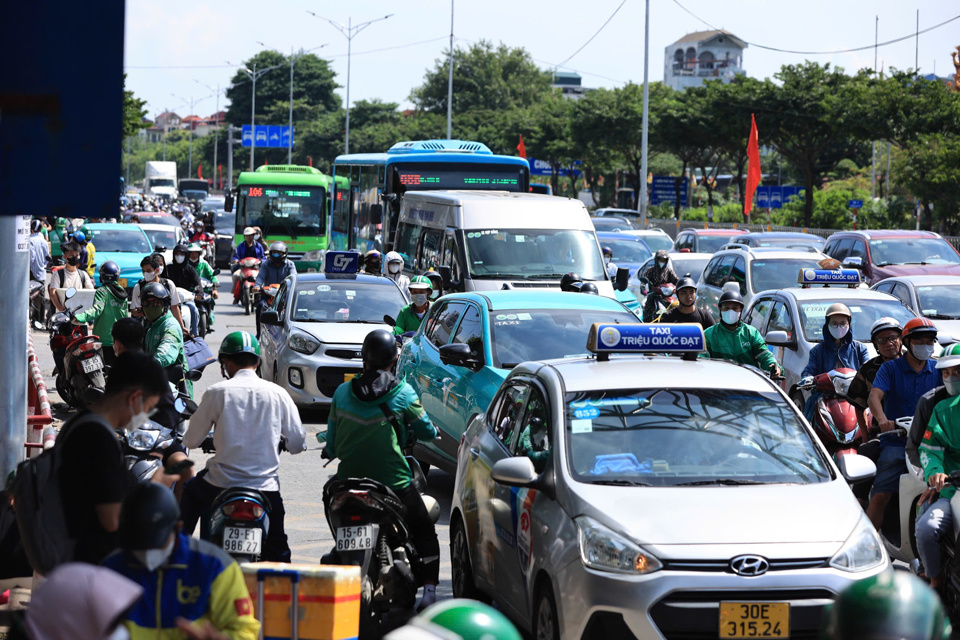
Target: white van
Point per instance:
(483, 240)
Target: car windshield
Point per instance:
(158, 238)
(542, 334)
(802, 243)
(121, 241)
(657, 242)
(865, 313)
(675, 437)
(346, 301)
(912, 251)
(211, 205)
(694, 266)
(712, 244)
(627, 251)
(781, 273)
(611, 224)
(533, 254)
(940, 302)
(225, 222)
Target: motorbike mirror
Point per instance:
(945, 339)
(179, 405)
(419, 478)
(216, 272)
(72, 291)
(780, 339)
(854, 468)
(389, 320)
(193, 375)
(622, 278)
(514, 472)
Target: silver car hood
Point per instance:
(338, 332)
(724, 515)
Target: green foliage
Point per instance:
(133, 112)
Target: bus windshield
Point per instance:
(533, 254)
(283, 210)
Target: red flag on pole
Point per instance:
(522, 148)
(753, 167)
(220, 170)
(200, 171)
(310, 160)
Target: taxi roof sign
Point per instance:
(605, 339)
(341, 262)
(827, 277)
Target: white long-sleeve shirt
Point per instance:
(248, 415)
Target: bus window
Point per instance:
(407, 238)
(430, 254)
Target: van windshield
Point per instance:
(532, 254)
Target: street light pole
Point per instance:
(349, 32)
(642, 187)
(450, 81)
(253, 75)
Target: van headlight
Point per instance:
(604, 549)
(303, 342)
(862, 551)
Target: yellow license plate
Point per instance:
(122, 282)
(347, 377)
(754, 620)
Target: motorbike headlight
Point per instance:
(862, 551)
(142, 440)
(303, 342)
(604, 549)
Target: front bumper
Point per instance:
(319, 374)
(677, 604)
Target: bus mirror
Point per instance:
(622, 279)
(376, 213)
(446, 274)
(228, 203)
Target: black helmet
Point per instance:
(35, 226)
(379, 349)
(589, 287)
(731, 296)
(109, 272)
(148, 516)
(607, 251)
(568, 280)
(686, 282)
(156, 290)
(278, 251)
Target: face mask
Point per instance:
(154, 558)
(179, 259)
(152, 313)
(922, 351)
(393, 267)
(74, 261)
(839, 332)
(195, 260)
(149, 276)
(137, 418)
(120, 633)
(953, 385)
(419, 299)
(661, 264)
(256, 237)
(730, 316)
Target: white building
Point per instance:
(702, 55)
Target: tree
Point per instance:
(133, 112)
(484, 77)
(930, 169)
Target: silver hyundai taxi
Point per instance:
(654, 496)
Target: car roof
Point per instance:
(504, 300)
(923, 280)
(845, 293)
(613, 235)
(716, 232)
(653, 231)
(115, 226)
(888, 233)
(662, 372)
(146, 226)
(768, 253)
(783, 235)
(358, 278)
(692, 255)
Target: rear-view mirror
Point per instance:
(389, 320)
(855, 468)
(216, 272)
(622, 278)
(446, 274)
(779, 339)
(853, 262)
(514, 472)
(376, 213)
(72, 291)
(459, 355)
(271, 318)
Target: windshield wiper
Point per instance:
(622, 482)
(940, 316)
(491, 276)
(719, 481)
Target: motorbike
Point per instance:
(38, 306)
(78, 356)
(835, 418)
(367, 520)
(898, 530)
(249, 269)
(203, 299)
(143, 447)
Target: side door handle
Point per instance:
(474, 452)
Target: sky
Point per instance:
(176, 49)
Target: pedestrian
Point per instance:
(39, 253)
(71, 275)
(109, 305)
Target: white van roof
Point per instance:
(494, 209)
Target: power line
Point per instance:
(399, 46)
(184, 66)
(819, 53)
(615, 11)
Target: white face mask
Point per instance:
(419, 299)
(120, 633)
(839, 332)
(154, 558)
(393, 267)
(149, 276)
(179, 259)
(730, 316)
(953, 385)
(922, 351)
(137, 418)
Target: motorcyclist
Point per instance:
(86, 264)
(465, 619)
(570, 282)
(395, 272)
(164, 338)
(109, 305)
(184, 276)
(896, 389)
(891, 604)
(686, 310)
(921, 417)
(200, 234)
(837, 350)
(152, 267)
(156, 554)
(372, 263)
(608, 262)
(70, 276)
(204, 270)
(249, 248)
(412, 315)
(733, 339)
(250, 415)
(273, 271)
(657, 274)
(369, 445)
(885, 336)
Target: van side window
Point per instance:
(450, 256)
(430, 253)
(407, 236)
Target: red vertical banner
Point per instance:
(754, 174)
(200, 171)
(310, 160)
(220, 170)
(522, 148)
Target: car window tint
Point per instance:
(509, 410)
(758, 314)
(859, 250)
(443, 322)
(843, 249)
(900, 291)
(280, 304)
(720, 274)
(738, 274)
(470, 331)
(780, 320)
(406, 246)
(449, 258)
(886, 287)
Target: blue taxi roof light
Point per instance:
(341, 262)
(646, 338)
(827, 277)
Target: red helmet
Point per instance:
(918, 326)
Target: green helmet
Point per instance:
(469, 619)
(239, 342)
(86, 232)
(421, 281)
(950, 357)
(892, 604)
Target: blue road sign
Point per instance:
(762, 197)
(774, 197)
(272, 136)
(855, 204)
(285, 134)
(664, 189)
(544, 168)
(246, 134)
(645, 338)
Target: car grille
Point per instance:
(329, 378)
(686, 615)
(723, 566)
(343, 354)
(607, 625)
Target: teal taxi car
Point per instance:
(125, 244)
(469, 342)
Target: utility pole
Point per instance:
(450, 81)
(349, 32)
(230, 130)
(253, 74)
(642, 187)
(873, 151)
(14, 264)
(216, 127)
(166, 120)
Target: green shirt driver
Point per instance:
(734, 340)
(412, 315)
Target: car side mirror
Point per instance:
(270, 317)
(780, 339)
(228, 203)
(517, 471)
(458, 355)
(193, 375)
(855, 468)
(946, 339)
(622, 279)
(853, 262)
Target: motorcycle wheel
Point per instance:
(247, 301)
(63, 390)
(202, 325)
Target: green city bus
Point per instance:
(290, 203)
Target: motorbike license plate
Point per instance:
(242, 540)
(122, 282)
(92, 364)
(754, 620)
(354, 538)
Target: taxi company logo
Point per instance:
(749, 566)
(809, 274)
(341, 261)
(610, 336)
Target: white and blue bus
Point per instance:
(365, 214)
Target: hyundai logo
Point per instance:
(749, 566)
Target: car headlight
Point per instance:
(604, 549)
(862, 551)
(142, 440)
(303, 342)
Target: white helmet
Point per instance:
(249, 231)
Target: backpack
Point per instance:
(84, 277)
(38, 501)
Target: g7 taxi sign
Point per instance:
(341, 262)
(645, 338)
(848, 277)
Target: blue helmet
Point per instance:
(109, 272)
(79, 237)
